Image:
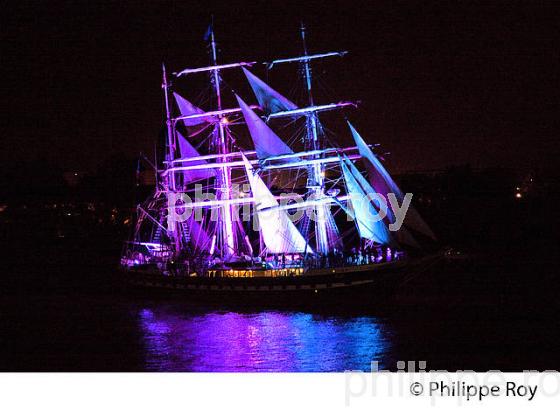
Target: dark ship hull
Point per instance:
(364, 285)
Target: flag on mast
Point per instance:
(209, 30)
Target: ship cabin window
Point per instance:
(250, 273)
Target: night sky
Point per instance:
(440, 83)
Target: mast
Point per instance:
(170, 181)
(316, 175)
(164, 85)
(224, 177)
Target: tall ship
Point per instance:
(257, 201)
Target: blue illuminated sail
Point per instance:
(384, 184)
(270, 100)
(364, 211)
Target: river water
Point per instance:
(60, 311)
(115, 332)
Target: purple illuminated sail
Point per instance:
(279, 233)
(198, 236)
(333, 235)
(270, 100)
(186, 150)
(384, 184)
(188, 108)
(267, 143)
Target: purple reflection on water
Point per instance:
(265, 341)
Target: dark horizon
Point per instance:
(439, 84)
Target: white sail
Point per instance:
(267, 143)
(384, 184)
(279, 233)
(364, 211)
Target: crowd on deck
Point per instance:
(337, 258)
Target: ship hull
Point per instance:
(365, 285)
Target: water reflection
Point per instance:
(266, 341)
